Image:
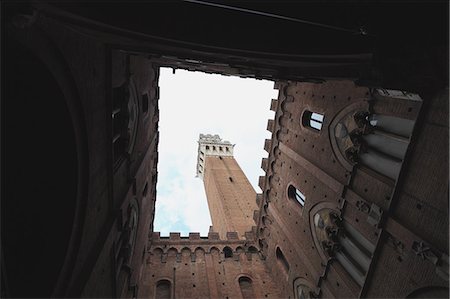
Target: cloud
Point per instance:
(192, 103)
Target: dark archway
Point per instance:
(40, 176)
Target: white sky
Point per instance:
(192, 103)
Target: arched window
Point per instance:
(252, 249)
(228, 252)
(163, 289)
(246, 286)
(342, 241)
(312, 120)
(303, 292)
(303, 289)
(282, 260)
(297, 195)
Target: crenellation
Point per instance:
(262, 182)
(232, 236)
(256, 215)
(270, 125)
(175, 236)
(251, 234)
(277, 85)
(213, 236)
(155, 236)
(194, 236)
(265, 164)
(268, 145)
(259, 197)
(274, 105)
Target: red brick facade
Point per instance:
(230, 196)
(355, 196)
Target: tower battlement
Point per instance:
(211, 145)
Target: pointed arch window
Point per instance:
(339, 239)
(312, 120)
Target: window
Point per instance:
(207, 147)
(282, 260)
(246, 286)
(228, 252)
(303, 292)
(163, 289)
(303, 289)
(297, 195)
(312, 120)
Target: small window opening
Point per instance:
(207, 147)
(228, 252)
(312, 120)
(294, 193)
(282, 260)
(231, 179)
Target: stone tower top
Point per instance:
(211, 145)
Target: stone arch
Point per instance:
(157, 254)
(239, 250)
(313, 211)
(253, 249)
(40, 80)
(158, 250)
(186, 255)
(186, 251)
(338, 239)
(172, 251)
(199, 251)
(214, 251)
(199, 254)
(340, 126)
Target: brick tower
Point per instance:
(231, 197)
